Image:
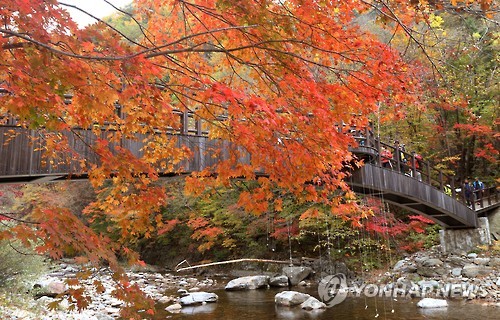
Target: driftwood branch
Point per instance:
(233, 261)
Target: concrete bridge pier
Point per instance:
(494, 219)
(461, 241)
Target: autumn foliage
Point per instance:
(275, 80)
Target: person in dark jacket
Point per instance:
(468, 192)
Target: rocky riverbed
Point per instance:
(431, 274)
(427, 274)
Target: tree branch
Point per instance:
(233, 261)
(8, 216)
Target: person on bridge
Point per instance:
(399, 155)
(468, 192)
(478, 190)
(386, 155)
(418, 167)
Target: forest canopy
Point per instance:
(270, 81)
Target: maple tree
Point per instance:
(461, 97)
(275, 79)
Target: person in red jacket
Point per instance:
(386, 157)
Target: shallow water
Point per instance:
(259, 305)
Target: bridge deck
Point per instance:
(23, 159)
(413, 195)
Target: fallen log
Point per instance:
(234, 261)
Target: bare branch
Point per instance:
(9, 216)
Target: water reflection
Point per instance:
(204, 308)
(259, 305)
(297, 313)
(434, 312)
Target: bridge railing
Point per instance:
(486, 197)
(422, 170)
(25, 156)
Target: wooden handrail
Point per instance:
(428, 174)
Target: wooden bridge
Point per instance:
(419, 188)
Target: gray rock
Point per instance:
(52, 286)
(182, 292)
(174, 308)
(398, 265)
(430, 272)
(472, 270)
(432, 263)
(290, 298)
(456, 272)
(164, 299)
(494, 262)
(341, 267)
(456, 261)
(296, 274)
(472, 255)
(279, 281)
(405, 266)
(197, 298)
(471, 296)
(421, 259)
(248, 283)
(404, 283)
(312, 304)
(428, 284)
(482, 261)
(432, 303)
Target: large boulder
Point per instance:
(197, 298)
(296, 274)
(279, 281)
(248, 283)
(432, 303)
(290, 298)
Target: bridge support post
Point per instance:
(460, 241)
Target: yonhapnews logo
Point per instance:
(332, 289)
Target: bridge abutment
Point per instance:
(494, 220)
(461, 241)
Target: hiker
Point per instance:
(447, 190)
(399, 155)
(418, 167)
(478, 187)
(386, 157)
(468, 190)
